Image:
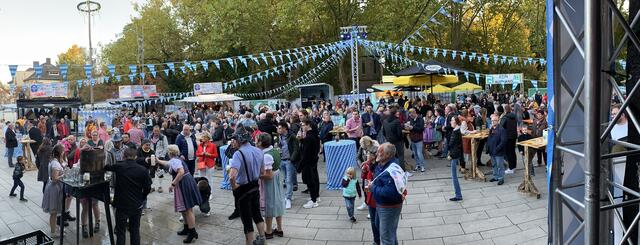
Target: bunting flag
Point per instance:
(142, 75)
(38, 70)
(444, 12)
(230, 61)
(63, 70)
(514, 86)
(205, 65)
(172, 67)
(183, 69)
(79, 83)
(187, 64)
(112, 69)
(152, 70)
(477, 75)
(534, 83)
(133, 69)
(166, 72)
(119, 78)
(433, 20)
(13, 69)
(88, 70)
(132, 78)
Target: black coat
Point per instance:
(497, 142)
(377, 124)
(35, 135)
(325, 131)
(10, 137)
(392, 130)
(510, 123)
(455, 144)
(267, 126)
(310, 150)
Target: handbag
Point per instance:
(250, 187)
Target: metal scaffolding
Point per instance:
(586, 199)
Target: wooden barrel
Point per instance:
(92, 161)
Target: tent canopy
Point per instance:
(467, 87)
(439, 89)
(425, 80)
(422, 69)
(206, 98)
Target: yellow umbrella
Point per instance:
(424, 80)
(467, 87)
(439, 89)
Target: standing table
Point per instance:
(26, 149)
(225, 174)
(339, 155)
(475, 173)
(527, 184)
(98, 189)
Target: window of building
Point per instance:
(54, 73)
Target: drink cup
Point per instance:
(153, 160)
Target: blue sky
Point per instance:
(36, 29)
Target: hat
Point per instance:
(241, 134)
(116, 138)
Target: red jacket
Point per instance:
(368, 177)
(210, 148)
(63, 131)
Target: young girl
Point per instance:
(17, 179)
(52, 199)
(349, 188)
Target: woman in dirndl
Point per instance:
(185, 192)
(52, 198)
(272, 198)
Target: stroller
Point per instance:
(205, 193)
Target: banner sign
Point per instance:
(504, 78)
(48, 90)
(207, 88)
(137, 91)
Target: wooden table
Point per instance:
(338, 131)
(475, 173)
(26, 152)
(527, 184)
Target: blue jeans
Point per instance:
(416, 148)
(388, 219)
(454, 177)
(349, 202)
(375, 226)
(445, 148)
(498, 167)
(10, 155)
(289, 172)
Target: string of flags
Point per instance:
(458, 54)
(468, 75)
(312, 75)
(425, 26)
(290, 66)
(271, 58)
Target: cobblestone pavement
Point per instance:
(489, 214)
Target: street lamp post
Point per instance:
(89, 7)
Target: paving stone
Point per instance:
(450, 212)
(481, 208)
(512, 203)
(433, 241)
(437, 231)
(520, 237)
(462, 238)
(421, 222)
(525, 216)
(452, 219)
(301, 233)
(340, 234)
(508, 210)
(538, 241)
(485, 225)
(417, 215)
(505, 231)
(342, 243)
(305, 242)
(542, 223)
(330, 224)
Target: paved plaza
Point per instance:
(489, 214)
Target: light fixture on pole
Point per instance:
(89, 7)
(354, 33)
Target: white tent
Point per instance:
(205, 98)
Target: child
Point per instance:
(18, 171)
(349, 188)
(205, 193)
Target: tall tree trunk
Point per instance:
(631, 172)
(344, 73)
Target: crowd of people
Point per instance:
(269, 147)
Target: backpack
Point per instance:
(275, 153)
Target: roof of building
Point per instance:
(49, 72)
